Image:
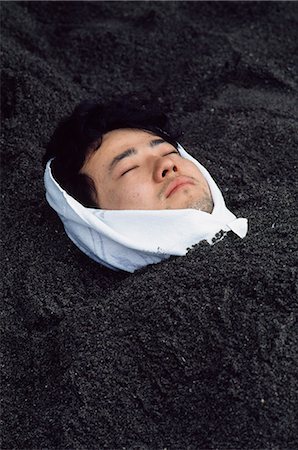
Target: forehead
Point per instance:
(118, 140)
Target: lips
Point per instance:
(176, 184)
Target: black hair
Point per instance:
(81, 133)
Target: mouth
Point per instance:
(176, 184)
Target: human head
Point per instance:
(120, 238)
(123, 156)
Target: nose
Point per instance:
(164, 167)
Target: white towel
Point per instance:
(131, 239)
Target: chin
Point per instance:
(202, 202)
(206, 206)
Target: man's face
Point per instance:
(134, 169)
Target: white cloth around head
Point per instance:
(131, 239)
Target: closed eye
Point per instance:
(173, 151)
(128, 170)
(135, 167)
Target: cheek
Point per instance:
(195, 172)
(135, 193)
(192, 167)
(127, 195)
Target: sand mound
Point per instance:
(196, 352)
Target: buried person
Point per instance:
(126, 191)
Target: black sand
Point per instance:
(199, 352)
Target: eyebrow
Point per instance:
(132, 151)
(155, 142)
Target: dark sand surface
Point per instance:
(199, 352)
